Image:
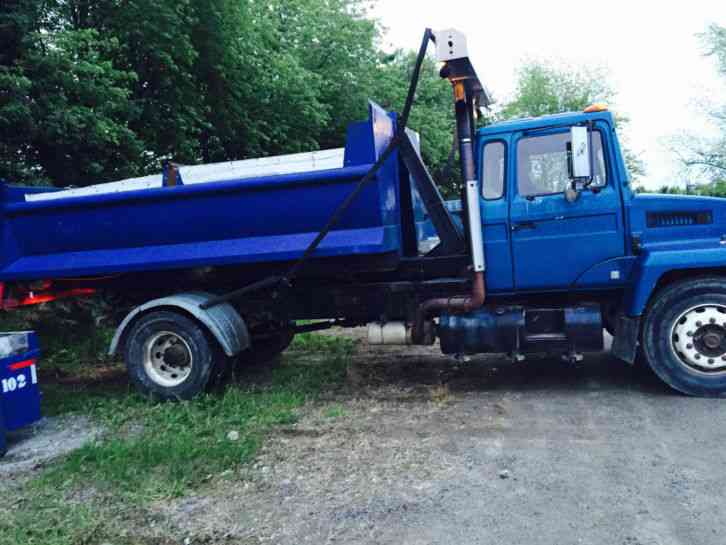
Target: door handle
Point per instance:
(524, 225)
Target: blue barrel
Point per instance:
(3, 447)
(19, 391)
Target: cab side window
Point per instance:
(542, 164)
(493, 162)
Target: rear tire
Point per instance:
(267, 350)
(170, 356)
(684, 336)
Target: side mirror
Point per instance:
(580, 154)
(578, 162)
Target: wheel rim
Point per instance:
(698, 338)
(167, 359)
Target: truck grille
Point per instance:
(679, 219)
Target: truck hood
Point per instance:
(677, 221)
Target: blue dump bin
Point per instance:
(239, 221)
(19, 392)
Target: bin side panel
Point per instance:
(250, 220)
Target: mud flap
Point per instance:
(221, 320)
(625, 343)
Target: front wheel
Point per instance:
(170, 356)
(684, 336)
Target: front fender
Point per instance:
(654, 263)
(223, 321)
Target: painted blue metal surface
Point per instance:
(677, 248)
(252, 220)
(612, 273)
(496, 222)
(589, 244)
(572, 246)
(424, 228)
(3, 441)
(563, 239)
(505, 128)
(19, 392)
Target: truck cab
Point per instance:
(535, 237)
(568, 253)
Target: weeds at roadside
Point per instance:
(335, 411)
(440, 394)
(71, 340)
(153, 451)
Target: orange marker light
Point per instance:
(597, 107)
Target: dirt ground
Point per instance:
(419, 448)
(30, 448)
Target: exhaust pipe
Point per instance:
(458, 305)
(461, 304)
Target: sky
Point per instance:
(650, 49)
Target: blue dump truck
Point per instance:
(547, 247)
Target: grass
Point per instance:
(153, 451)
(178, 443)
(335, 411)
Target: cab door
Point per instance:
(555, 241)
(493, 171)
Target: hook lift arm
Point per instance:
(469, 95)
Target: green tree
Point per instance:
(64, 107)
(543, 88)
(226, 79)
(93, 90)
(707, 158)
(335, 40)
(96, 90)
(19, 19)
(81, 111)
(432, 115)
(155, 44)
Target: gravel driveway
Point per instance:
(420, 449)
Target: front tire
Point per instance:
(684, 336)
(170, 356)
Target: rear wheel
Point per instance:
(170, 356)
(267, 349)
(684, 336)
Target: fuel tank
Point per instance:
(523, 330)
